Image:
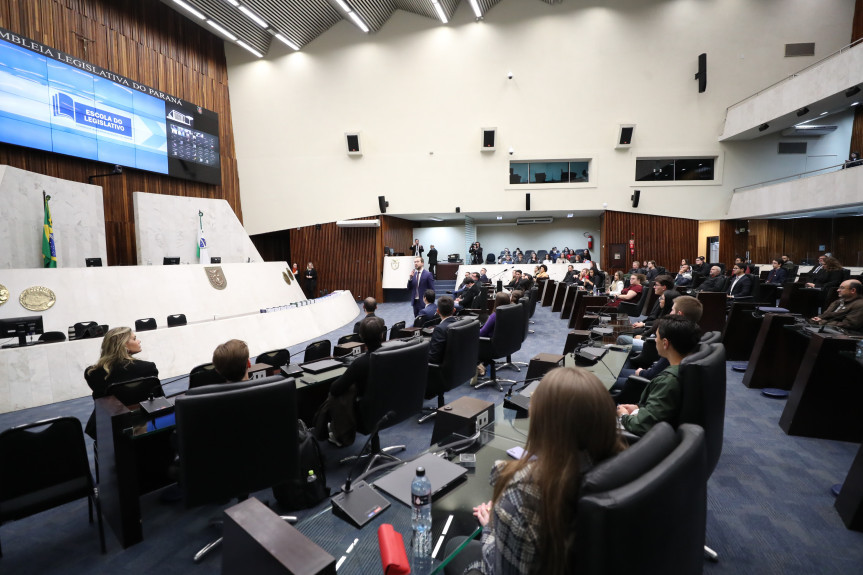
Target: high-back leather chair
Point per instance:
(612, 516)
(459, 362)
(396, 329)
(275, 358)
(45, 465)
(135, 390)
(506, 340)
(347, 338)
(146, 324)
(176, 320)
(318, 350)
(236, 439)
(396, 383)
(204, 374)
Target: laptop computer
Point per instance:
(441, 473)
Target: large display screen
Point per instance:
(52, 101)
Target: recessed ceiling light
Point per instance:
(249, 49)
(569, 215)
(500, 217)
(189, 9)
(823, 114)
(253, 17)
(286, 41)
(222, 30)
(434, 219)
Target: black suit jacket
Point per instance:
(776, 276)
(437, 346)
(432, 255)
(742, 288)
(716, 284)
(827, 279)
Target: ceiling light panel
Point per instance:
(233, 21)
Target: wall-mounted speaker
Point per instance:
(457, 210)
(701, 76)
(488, 135)
(636, 195)
(353, 142)
(527, 202)
(382, 204)
(624, 135)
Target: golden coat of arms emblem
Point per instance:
(216, 277)
(394, 263)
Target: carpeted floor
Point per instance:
(770, 509)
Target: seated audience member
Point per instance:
(515, 296)
(487, 329)
(483, 278)
(686, 306)
(787, 265)
(553, 254)
(852, 161)
(467, 297)
(578, 259)
(676, 337)
(429, 311)
(715, 282)
(744, 265)
(665, 303)
(652, 271)
(777, 274)
(505, 259)
(616, 286)
(526, 282)
(828, 274)
(542, 272)
(527, 522)
(815, 269)
(338, 409)
(637, 269)
(369, 306)
(663, 286)
(684, 276)
(462, 286)
(437, 346)
(586, 255)
(231, 360)
(516, 278)
(699, 267)
(740, 284)
(631, 294)
(847, 311)
(571, 275)
(533, 259)
(519, 259)
(116, 365)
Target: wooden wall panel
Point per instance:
(151, 44)
(665, 240)
(397, 233)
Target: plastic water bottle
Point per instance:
(312, 477)
(421, 521)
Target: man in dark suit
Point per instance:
(428, 312)
(370, 304)
(571, 276)
(417, 249)
(516, 277)
(469, 295)
(652, 271)
(437, 346)
(433, 261)
(740, 284)
(418, 283)
(777, 275)
(715, 282)
(483, 278)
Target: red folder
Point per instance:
(393, 555)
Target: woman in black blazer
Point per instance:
(116, 365)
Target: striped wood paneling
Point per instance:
(151, 44)
(665, 240)
(800, 239)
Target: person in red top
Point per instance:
(632, 293)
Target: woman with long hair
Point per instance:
(616, 287)
(310, 285)
(116, 365)
(527, 526)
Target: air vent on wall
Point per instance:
(800, 49)
(525, 221)
(808, 130)
(792, 147)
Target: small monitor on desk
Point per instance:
(93, 262)
(171, 261)
(216, 260)
(21, 327)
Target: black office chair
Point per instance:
(390, 388)
(318, 350)
(615, 507)
(275, 358)
(176, 320)
(517, 365)
(490, 259)
(44, 465)
(349, 338)
(204, 374)
(136, 390)
(147, 324)
(396, 329)
(52, 336)
(642, 306)
(236, 439)
(89, 329)
(458, 365)
(506, 340)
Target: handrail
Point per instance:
(794, 75)
(801, 175)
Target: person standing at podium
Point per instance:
(418, 283)
(311, 283)
(116, 365)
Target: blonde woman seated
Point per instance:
(616, 287)
(527, 524)
(116, 365)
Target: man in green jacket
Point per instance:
(676, 338)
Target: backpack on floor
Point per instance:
(303, 492)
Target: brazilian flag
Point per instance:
(49, 250)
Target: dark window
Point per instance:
(673, 169)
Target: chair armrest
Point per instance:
(632, 390)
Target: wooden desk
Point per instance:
(568, 301)
(131, 462)
(548, 292)
(581, 322)
(713, 313)
(446, 271)
(828, 383)
(741, 331)
(559, 296)
(797, 298)
(776, 354)
(849, 503)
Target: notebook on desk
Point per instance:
(322, 365)
(441, 473)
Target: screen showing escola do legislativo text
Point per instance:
(52, 101)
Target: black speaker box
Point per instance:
(701, 76)
(636, 195)
(383, 203)
(353, 143)
(527, 202)
(626, 135)
(488, 139)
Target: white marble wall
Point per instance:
(76, 209)
(44, 374)
(167, 226)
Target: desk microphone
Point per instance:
(389, 415)
(526, 382)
